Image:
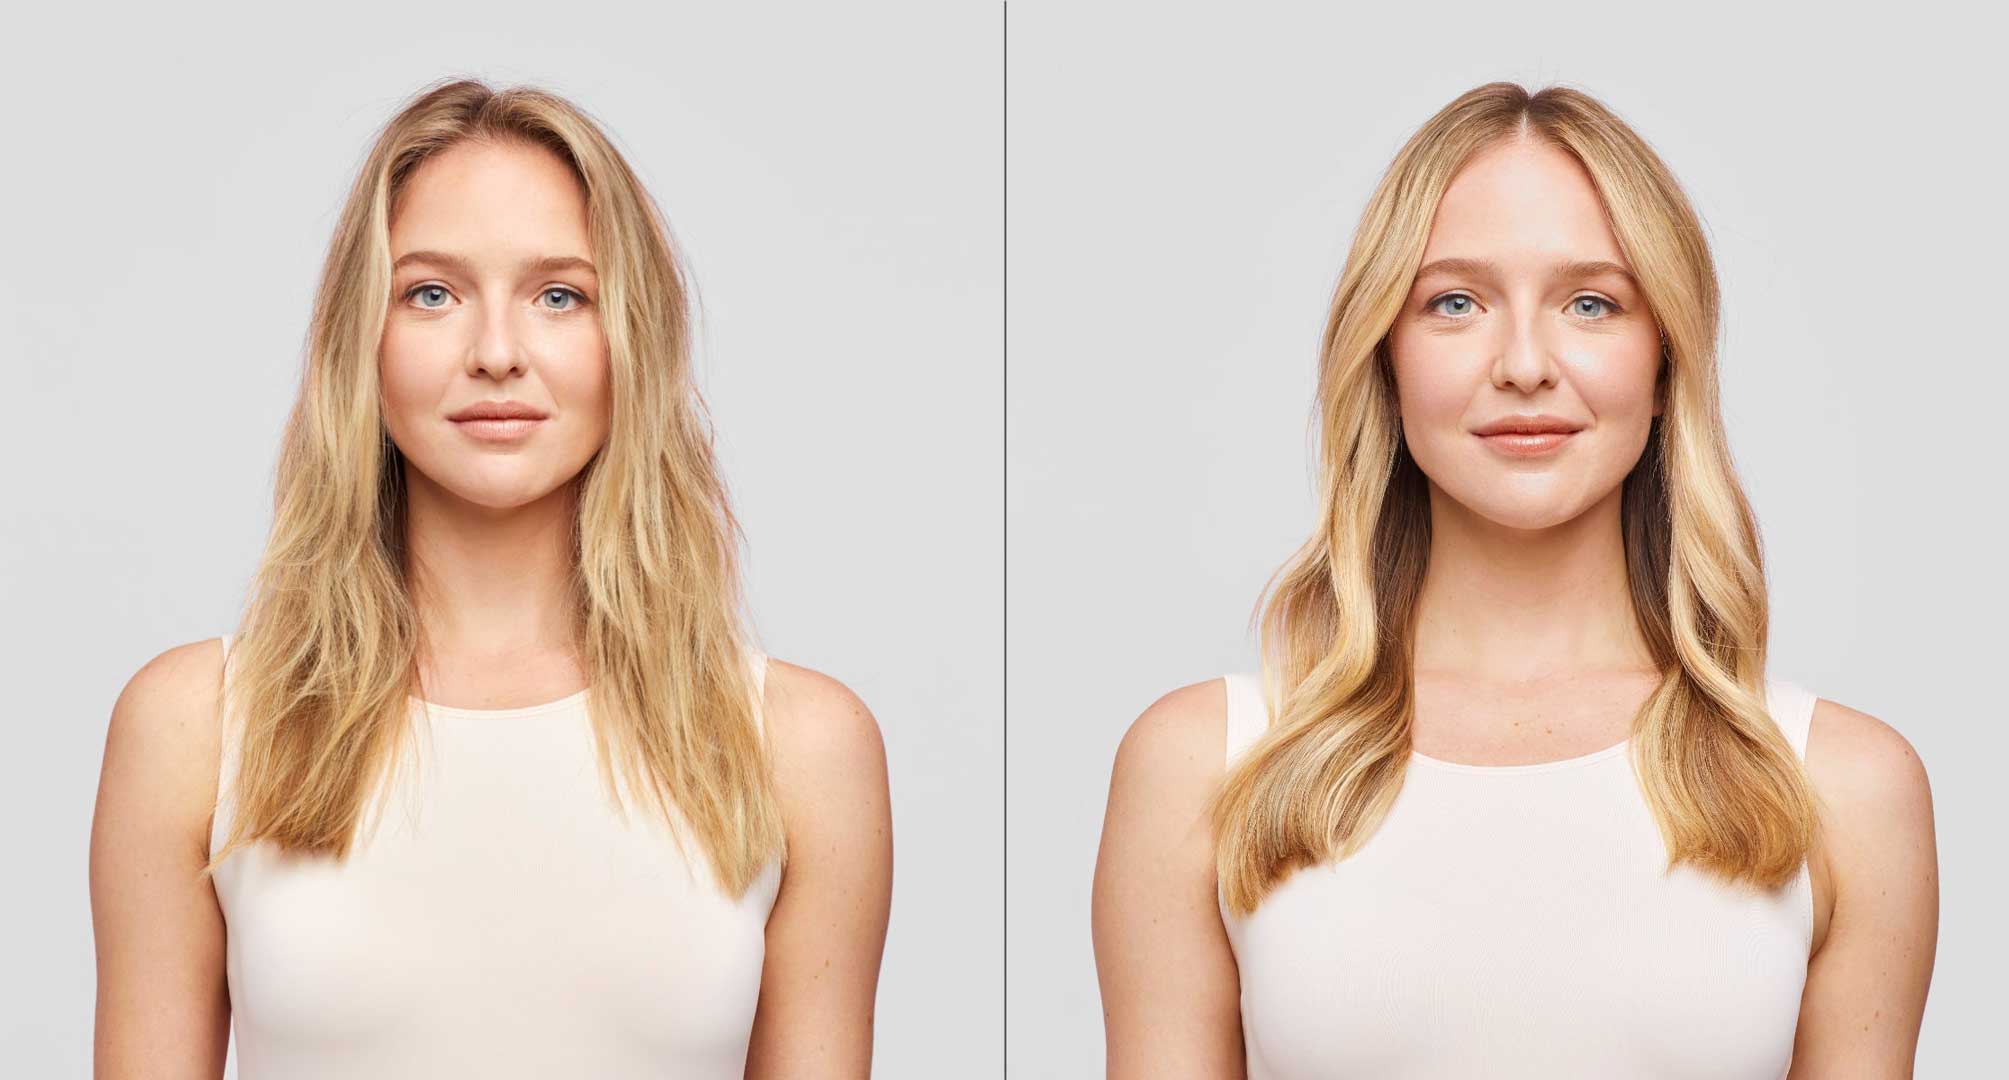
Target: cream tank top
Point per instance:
(1515, 921)
(499, 920)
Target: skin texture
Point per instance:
(489, 531)
(1525, 651)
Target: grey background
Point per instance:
(1181, 188)
(835, 180)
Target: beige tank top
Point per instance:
(499, 920)
(1516, 921)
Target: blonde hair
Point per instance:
(1337, 622)
(327, 651)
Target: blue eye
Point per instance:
(416, 290)
(1437, 304)
(1600, 307)
(575, 295)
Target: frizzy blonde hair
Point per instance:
(327, 651)
(1337, 622)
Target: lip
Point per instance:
(500, 431)
(1528, 424)
(1521, 445)
(497, 410)
(1527, 435)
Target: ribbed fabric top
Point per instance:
(1518, 921)
(497, 919)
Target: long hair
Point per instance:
(327, 651)
(1728, 792)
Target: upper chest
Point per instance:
(501, 682)
(1528, 725)
(503, 893)
(1478, 722)
(1531, 914)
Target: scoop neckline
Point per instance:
(1531, 767)
(562, 704)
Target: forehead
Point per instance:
(477, 196)
(1523, 200)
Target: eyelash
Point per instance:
(577, 296)
(1611, 306)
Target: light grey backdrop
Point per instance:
(1181, 188)
(835, 179)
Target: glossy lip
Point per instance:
(1523, 446)
(497, 410)
(1527, 436)
(1528, 424)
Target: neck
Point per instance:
(489, 584)
(1506, 605)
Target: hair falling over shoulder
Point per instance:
(1726, 788)
(326, 655)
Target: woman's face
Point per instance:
(494, 300)
(1524, 306)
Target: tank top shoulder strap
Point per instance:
(1792, 708)
(228, 738)
(757, 663)
(1248, 716)
(224, 692)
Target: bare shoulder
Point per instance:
(189, 675)
(830, 779)
(1184, 731)
(1876, 803)
(1868, 979)
(813, 717)
(1864, 769)
(167, 713)
(162, 746)
(157, 924)
(829, 758)
(1170, 990)
(1174, 754)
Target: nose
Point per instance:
(1525, 361)
(498, 350)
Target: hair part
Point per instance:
(1727, 790)
(327, 651)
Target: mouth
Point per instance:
(1526, 444)
(508, 429)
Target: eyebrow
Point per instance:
(460, 264)
(1572, 268)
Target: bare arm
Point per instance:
(1170, 993)
(828, 927)
(1865, 995)
(163, 1007)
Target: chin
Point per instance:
(1527, 515)
(1531, 522)
(498, 496)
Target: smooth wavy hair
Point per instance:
(326, 654)
(1338, 619)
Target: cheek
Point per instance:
(1616, 378)
(582, 385)
(1433, 379)
(589, 374)
(401, 373)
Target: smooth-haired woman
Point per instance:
(1514, 793)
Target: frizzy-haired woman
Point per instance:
(1514, 794)
(491, 779)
